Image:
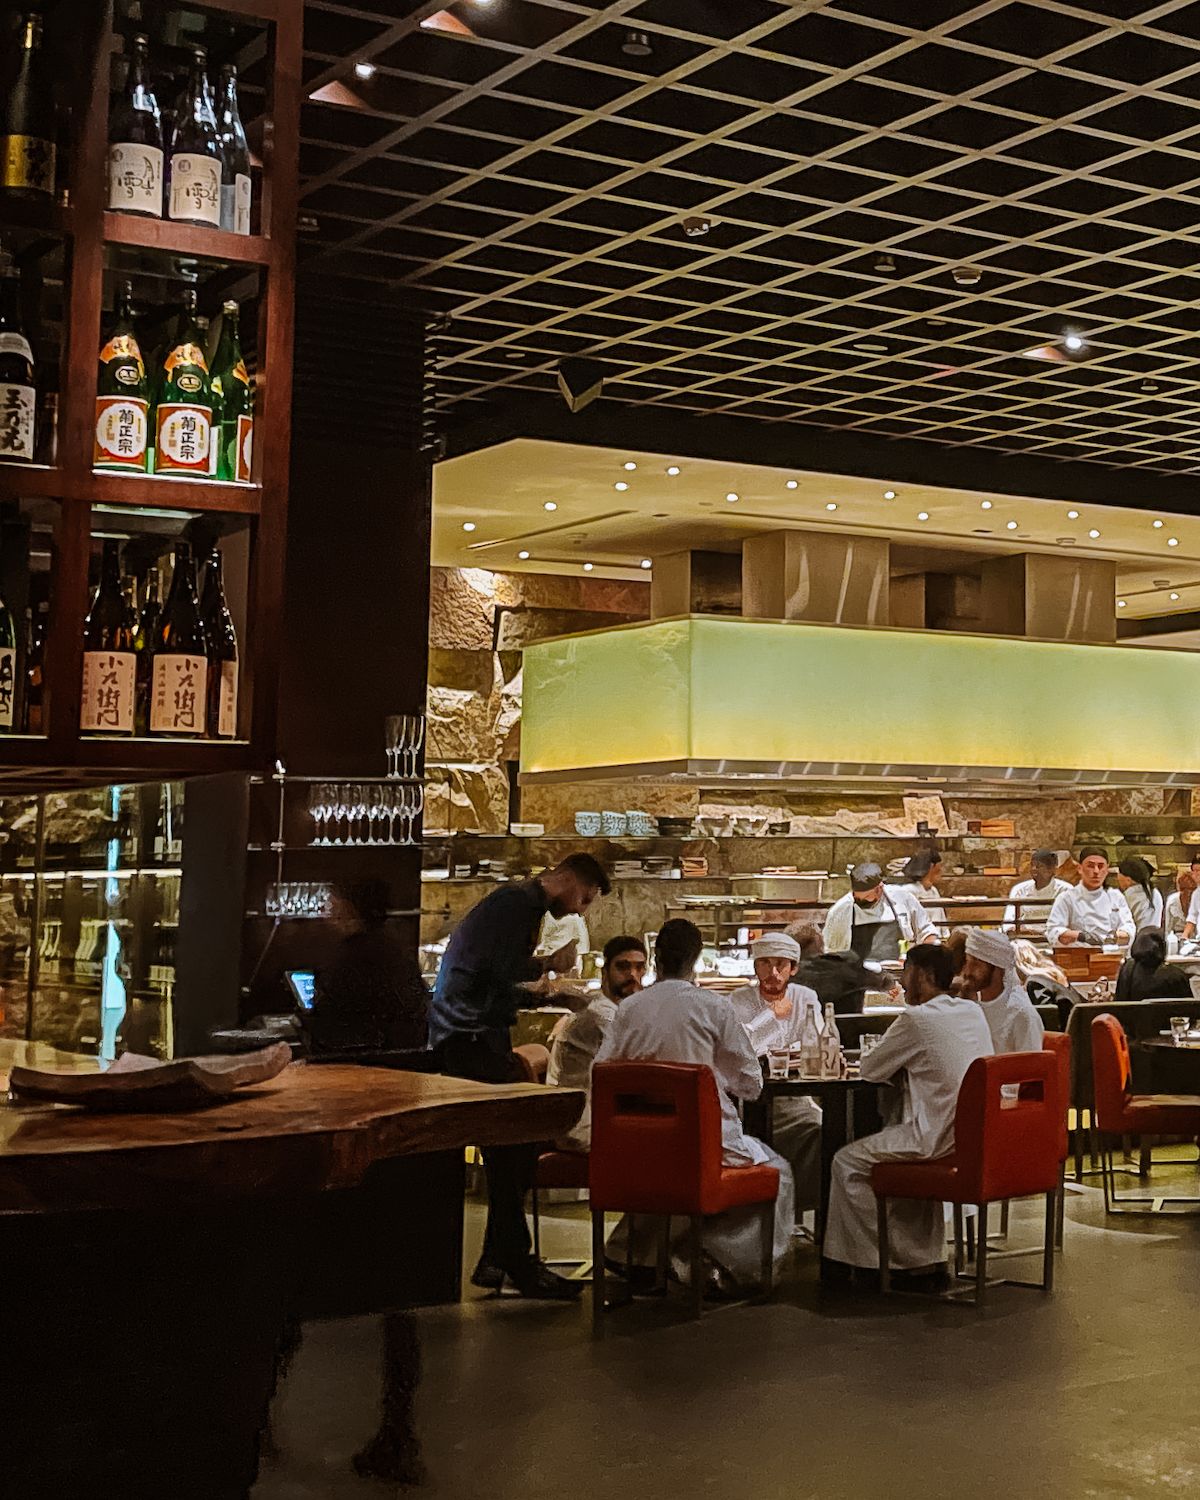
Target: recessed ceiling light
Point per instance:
(792, 484)
(1120, 604)
(831, 505)
(1072, 515)
(1172, 541)
(731, 497)
(468, 525)
(885, 264)
(1094, 534)
(985, 505)
(966, 275)
(630, 465)
(524, 556)
(889, 494)
(695, 226)
(1073, 342)
(620, 485)
(922, 515)
(1158, 525)
(364, 70)
(673, 469)
(870, 346)
(1149, 386)
(1010, 525)
(1174, 595)
(550, 505)
(636, 44)
(647, 563)
(587, 567)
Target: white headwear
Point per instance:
(775, 945)
(993, 947)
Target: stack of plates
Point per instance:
(675, 828)
(627, 867)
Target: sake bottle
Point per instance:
(122, 395)
(135, 151)
(179, 686)
(183, 419)
(195, 163)
(18, 392)
(28, 128)
(221, 637)
(109, 660)
(8, 669)
(235, 156)
(233, 402)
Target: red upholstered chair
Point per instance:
(656, 1149)
(533, 1059)
(556, 1169)
(1059, 1043)
(1003, 1148)
(1119, 1112)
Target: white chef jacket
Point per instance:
(1176, 916)
(1013, 1022)
(1078, 910)
(763, 1026)
(675, 1021)
(1033, 918)
(573, 1047)
(917, 889)
(916, 925)
(1146, 912)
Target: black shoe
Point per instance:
(537, 1280)
(638, 1278)
(488, 1276)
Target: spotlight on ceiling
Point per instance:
(1073, 342)
(636, 44)
(695, 226)
(364, 70)
(1148, 387)
(885, 264)
(524, 556)
(580, 381)
(967, 275)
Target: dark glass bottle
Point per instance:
(122, 395)
(179, 687)
(35, 668)
(143, 645)
(183, 414)
(8, 670)
(195, 166)
(233, 402)
(18, 393)
(109, 660)
(221, 638)
(236, 189)
(135, 136)
(28, 128)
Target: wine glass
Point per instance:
(392, 729)
(415, 740)
(319, 809)
(376, 809)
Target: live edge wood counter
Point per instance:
(154, 1266)
(310, 1130)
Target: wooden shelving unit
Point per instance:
(88, 236)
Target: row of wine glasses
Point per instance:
(353, 812)
(404, 736)
(298, 899)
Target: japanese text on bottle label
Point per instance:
(8, 682)
(135, 179)
(178, 695)
(17, 403)
(108, 692)
(196, 188)
(227, 702)
(184, 438)
(121, 430)
(26, 162)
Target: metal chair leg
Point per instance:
(664, 1257)
(885, 1252)
(1048, 1248)
(537, 1222)
(1004, 1220)
(1060, 1226)
(598, 1287)
(981, 1256)
(958, 1240)
(767, 1230)
(969, 1226)
(696, 1264)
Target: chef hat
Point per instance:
(993, 947)
(920, 864)
(776, 945)
(865, 877)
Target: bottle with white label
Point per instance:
(235, 156)
(8, 670)
(195, 164)
(221, 637)
(122, 395)
(109, 659)
(183, 414)
(18, 393)
(179, 685)
(135, 135)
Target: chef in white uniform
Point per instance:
(872, 919)
(676, 1021)
(1089, 912)
(921, 875)
(990, 976)
(1042, 887)
(774, 1010)
(932, 1044)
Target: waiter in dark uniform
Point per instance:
(475, 1003)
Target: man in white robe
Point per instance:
(933, 1044)
(775, 1012)
(990, 977)
(676, 1021)
(1090, 912)
(1036, 895)
(577, 1038)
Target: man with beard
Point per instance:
(872, 919)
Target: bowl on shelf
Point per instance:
(641, 824)
(527, 830)
(588, 824)
(779, 829)
(676, 828)
(1191, 837)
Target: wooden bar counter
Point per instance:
(152, 1262)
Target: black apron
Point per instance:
(876, 940)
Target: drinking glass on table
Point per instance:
(1179, 1028)
(777, 1062)
(867, 1043)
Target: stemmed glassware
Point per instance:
(404, 735)
(303, 899)
(321, 805)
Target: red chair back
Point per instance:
(1111, 1070)
(1059, 1043)
(533, 1060)
(656, 1138)
(1008, 1147)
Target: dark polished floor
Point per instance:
(1090, 1393)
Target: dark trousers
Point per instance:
(486, 1057)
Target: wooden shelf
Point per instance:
(162, 490)
(188, 239)
(38, 216)
(31, 481)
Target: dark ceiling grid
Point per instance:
(516, 288)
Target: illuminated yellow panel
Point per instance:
(710, 689)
